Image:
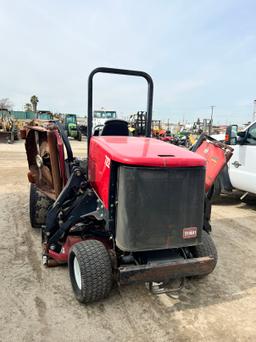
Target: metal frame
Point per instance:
(66, 141)
(159, 271)
(105, 70)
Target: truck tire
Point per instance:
(79, 136)
(16, 133)
(10, 138)
(207, 248)
(90, 271)
(38, 206)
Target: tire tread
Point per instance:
(207, 248)
(38, 207)
(96, 270)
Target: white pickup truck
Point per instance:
(240, 172)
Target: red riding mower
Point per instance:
(137, 210)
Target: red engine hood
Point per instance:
(146, 152)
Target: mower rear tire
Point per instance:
(216, 191)
(207, 248)
(38, 206)
(90, 271)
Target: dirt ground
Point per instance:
(37, 304)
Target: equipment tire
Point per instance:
(90, 271)
(216, 191)
(38, 206)
(207, 248)
(79, 136)
(16, 133)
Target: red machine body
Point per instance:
(132, 151)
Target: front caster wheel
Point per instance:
(90, 271)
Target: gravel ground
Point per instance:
(37, 304)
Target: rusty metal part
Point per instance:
(46, 260)
(228, 150)
(44, 149)
(52, 263)
(31, 177)
(159, 272)
(45, 182)
(55, 169)
(49, 262)
(47, 175)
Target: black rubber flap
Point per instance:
(157, 207)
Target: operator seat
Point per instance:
(115, 127)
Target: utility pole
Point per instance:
(211, 121)
(254, 111)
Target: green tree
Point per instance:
(34, 100)
(28, 107)
(5, 104)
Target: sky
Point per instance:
(200, 53)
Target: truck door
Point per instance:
(242, 166)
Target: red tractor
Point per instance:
(135, 210)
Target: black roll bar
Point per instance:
(119, 72)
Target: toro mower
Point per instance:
(136, 210)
